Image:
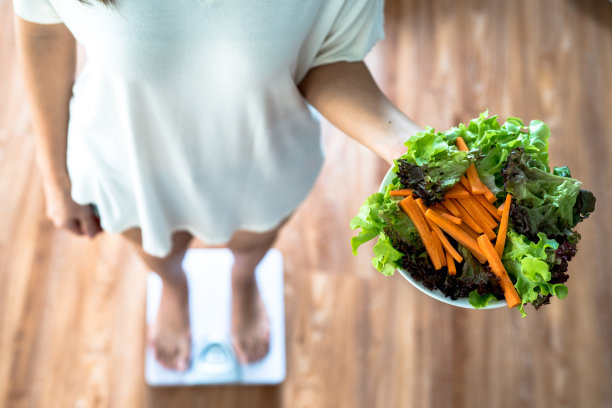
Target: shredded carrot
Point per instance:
(457, 233)
(465, 183)
(412, 210)
(460, 143)
(500, 209)
(436, 239)
(512, 297)
(451, 208)
(457, 191)
(404, 192)
(450, 250)
(487, 206)
(467, 218)
(503, 227)
(450, 265)
(471, 207)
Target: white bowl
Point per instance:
(436, 294)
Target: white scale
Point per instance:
(212, 357)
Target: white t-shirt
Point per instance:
(187, 114)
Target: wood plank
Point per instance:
(72, 326)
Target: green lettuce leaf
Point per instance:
(528, 263)
(385, 256)
(380, 216)
(432, 164)
(562, 171)
(479, 301)
(495, 142)
(543, 202)
(368, 219)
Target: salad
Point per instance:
(477, 213)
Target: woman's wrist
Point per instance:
(55, 178)
(398, 132)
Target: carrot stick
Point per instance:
(500, 209)
(503, 227)
(457, 191)
(445, 214)
(452, 218)
(477, 187)
(473, 183)
(467, 218)
(471, 207)
(489, 195)
(450, 250)
(469, 231)
(460, 143)
(451, 208)
(488, 206)
(483, 213)
(412, 210)
(436, 238)
(437, 233)
(465, 183)
(457, 233)
(512, 297)
(441, 208)
(404, 192)
(450, 264)
(439, 248)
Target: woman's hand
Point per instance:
(65, 213)
(47, 57)
(347, 95)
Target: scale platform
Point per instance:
(212, 357)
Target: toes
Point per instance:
(163, 358)
(182, 360)
(251, 350)
(167, 357)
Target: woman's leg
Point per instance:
(170, 334)
(250, 322)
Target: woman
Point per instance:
(190, 118)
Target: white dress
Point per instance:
(187, 114)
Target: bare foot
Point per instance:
(170, 334)
(250, 322)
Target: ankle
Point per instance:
(175, 281)
(243, 274)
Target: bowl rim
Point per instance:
(436, 293)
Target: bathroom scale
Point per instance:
(213, 360)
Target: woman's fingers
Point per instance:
(85, 223)
(89, 222)
(72, 225)
(88, 226)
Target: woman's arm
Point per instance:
(47, 57)
(346, 94)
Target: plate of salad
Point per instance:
(475, 217)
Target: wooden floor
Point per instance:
(72, 310)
